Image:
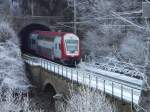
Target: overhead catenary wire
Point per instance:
(83, 22)
(86, 21)
(70, 27)
(80, 21)
(124, 19)
(130, 12)
(107, 18)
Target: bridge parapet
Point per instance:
(124, 90)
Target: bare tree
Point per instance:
(86, 100)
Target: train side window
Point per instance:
(33, 41)
(55, 46)
(39, 37)
(59, 46)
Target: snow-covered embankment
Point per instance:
(12, 73)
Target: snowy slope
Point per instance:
(12, 74)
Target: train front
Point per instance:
(72, 49)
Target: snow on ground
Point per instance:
(12, 72)
(113, 65)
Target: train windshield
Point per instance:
(72, 45)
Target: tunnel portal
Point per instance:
(26, 31)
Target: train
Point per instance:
(61, 47)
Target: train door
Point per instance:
(57, 49)
(33, 42)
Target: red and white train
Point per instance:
(56, 46)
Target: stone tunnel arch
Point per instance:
(49, 89)
(25, 32)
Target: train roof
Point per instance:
(47, 33)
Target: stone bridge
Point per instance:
(56, 78)
(46, 80)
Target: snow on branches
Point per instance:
(86, 100)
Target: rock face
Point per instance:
(57, 8)
(34, 7)
(4, 7)
(43, 7)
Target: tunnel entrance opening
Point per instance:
(49, 92)
(49, 89)
(26, 31)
